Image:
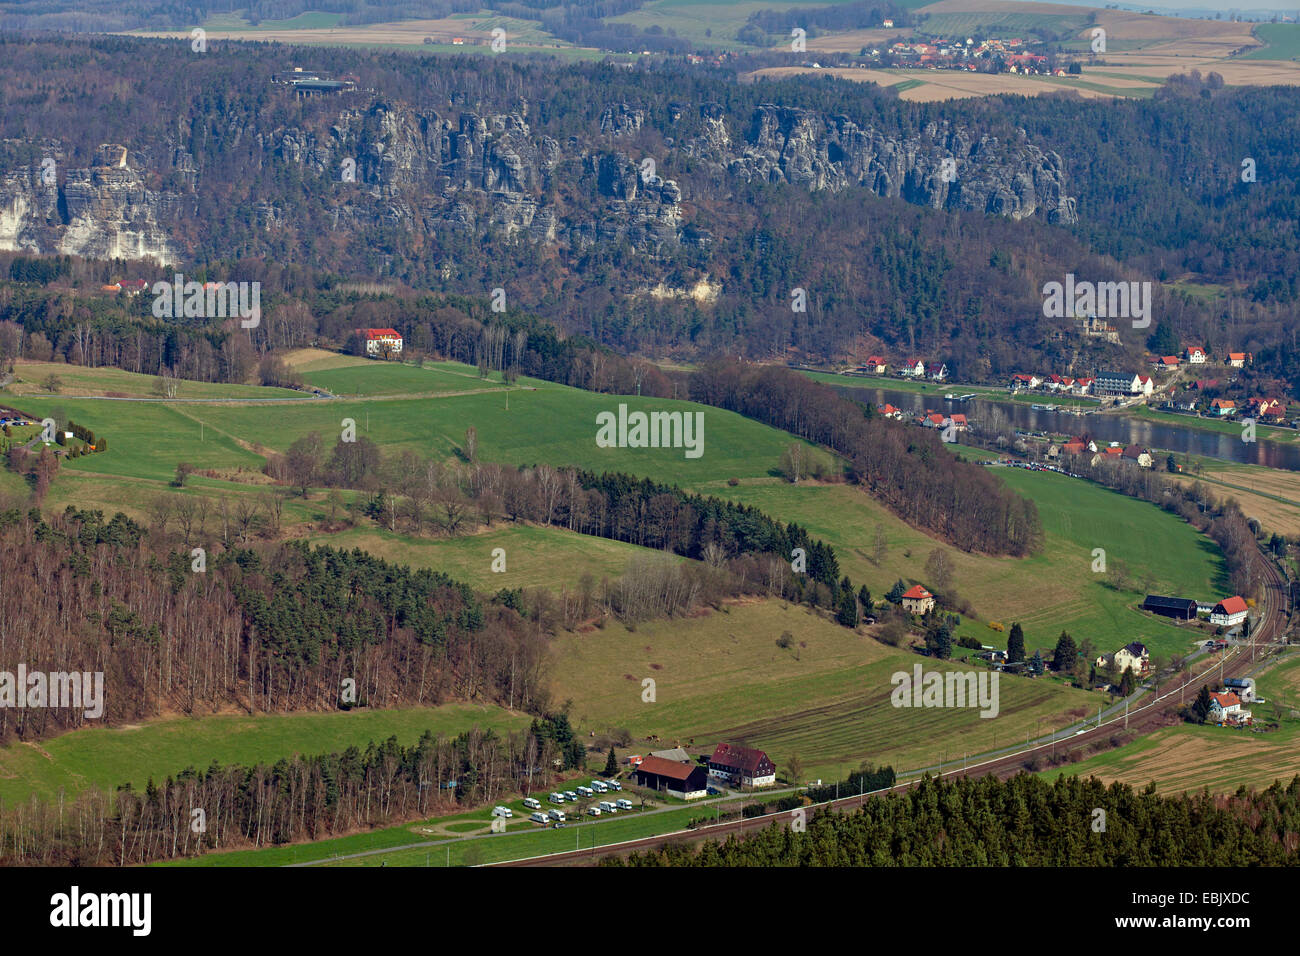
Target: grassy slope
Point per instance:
(535, 556)
(108, 757)
(721, 676)
(553, 424)
(80, 381)
(1051, 591)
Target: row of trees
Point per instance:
(272, 629)
(297, 798)
(1024, 821)
(908, 469)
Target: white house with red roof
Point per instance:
(918, 600)
(876, 364)
(1237, 359)
(1229, 612)
(742, 765)
(913, 369)
(1196, 355)
(1225, 707)
(381, 341)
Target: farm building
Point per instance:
(684, 780)
(677, 755)
(1243, 687)
(918, 600)
(1183, 609)
(1229, 612)
(742, 765)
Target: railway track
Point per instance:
(1155, 713)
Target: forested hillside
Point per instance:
(1024, 821)
(465, 182)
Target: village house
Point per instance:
(1083, 386)
(1133, 656)
(686, 781)
(917, 600)
(1266, 407)
(1229, 612)
(381, 342)
(890, 411)
(936, 371)
(1225, 708)
(1020, 381)
(742, 766)
(1137, 455)
(876, 364)
(1196, 355)
(1223, 407)
(1237, 359)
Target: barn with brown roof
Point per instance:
(687, 781)
(743, 766)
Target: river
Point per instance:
(1102, 428)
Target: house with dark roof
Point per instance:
(742, 765)
(1182, 609)
(1137, 455)
(686, 781)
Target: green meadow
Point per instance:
(107, 757)
(1051, 591)
(554, 424)
(826, 698)
(534, 556)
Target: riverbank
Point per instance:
(1232, 427)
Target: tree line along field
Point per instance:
(110, 756)
(556, 424)
(826, 702)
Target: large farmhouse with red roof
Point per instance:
(742, 766)
(1229, 612)
(381, 342)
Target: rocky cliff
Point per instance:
(103, 211)
(385, 163)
